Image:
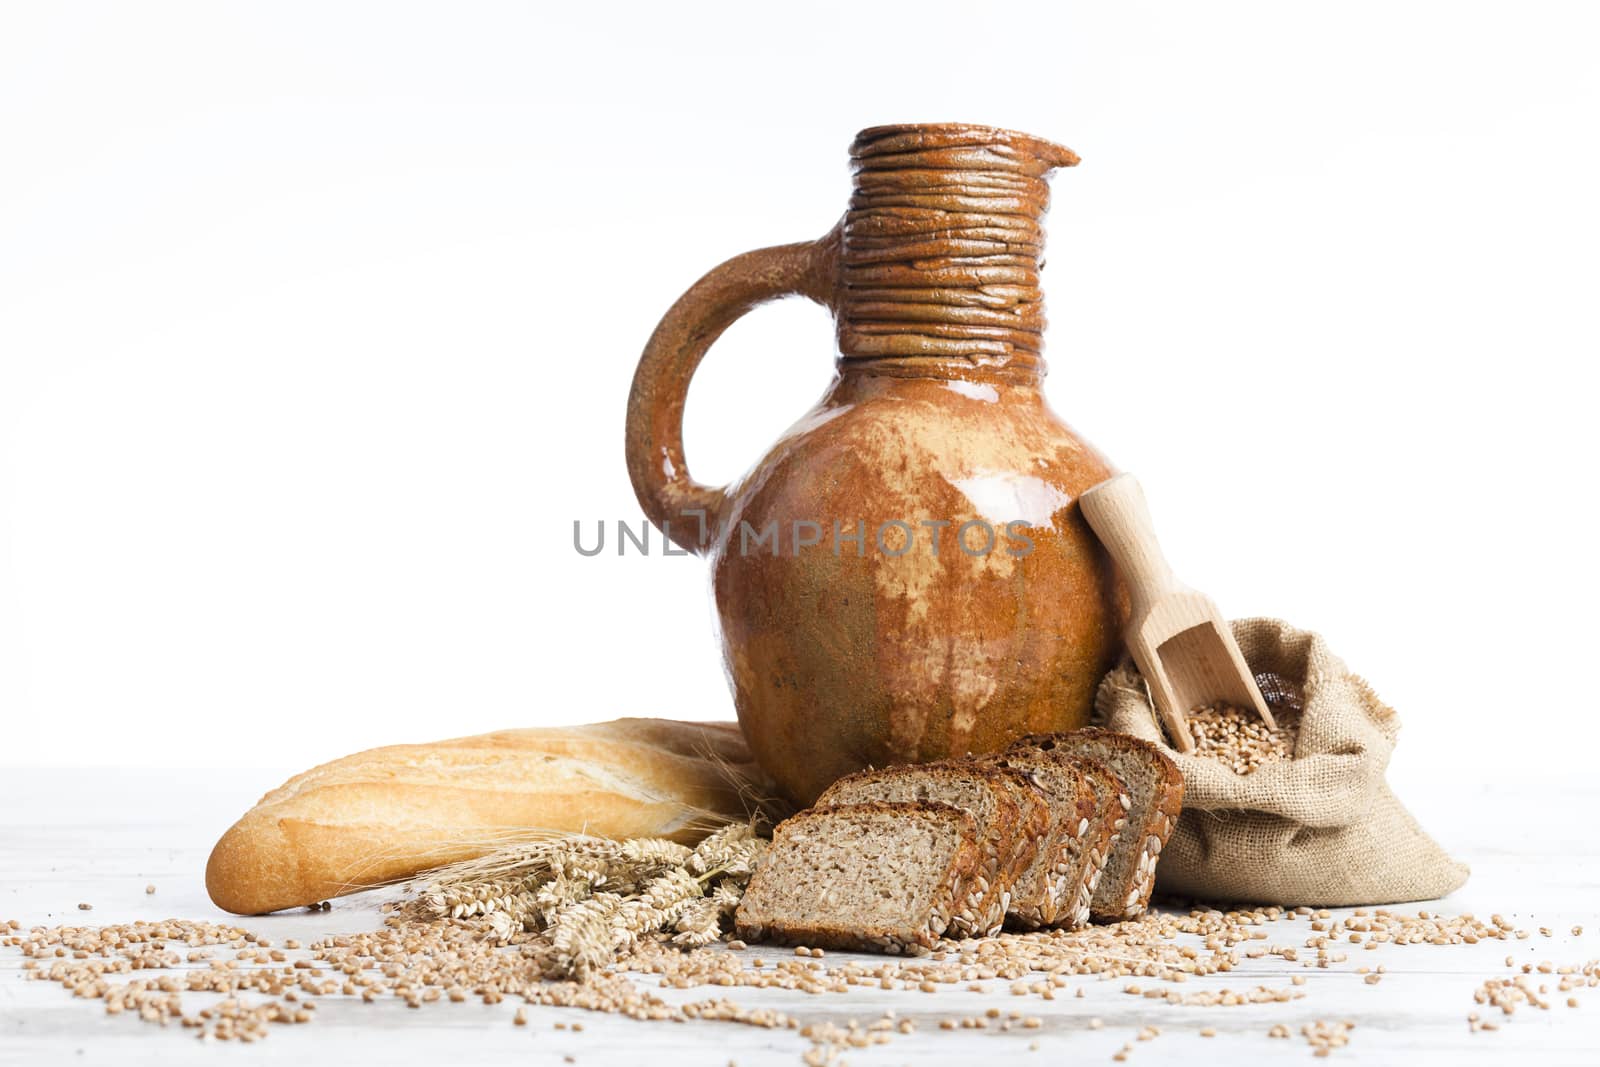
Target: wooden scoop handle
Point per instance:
(1119, 516)
(1117, 512)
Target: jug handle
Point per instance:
(684, 510)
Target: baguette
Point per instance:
(390, 813)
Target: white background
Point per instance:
(317, 322)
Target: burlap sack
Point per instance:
(1321, 829)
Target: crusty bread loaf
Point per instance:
(389, 813)
(884, 875)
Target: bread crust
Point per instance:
(952, 886)
(1031, 836)
(1148, 835)
(1049, 891)
(389, 813)
(1105, 830)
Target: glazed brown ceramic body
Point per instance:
(905, 575)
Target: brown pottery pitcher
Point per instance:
(905, 575)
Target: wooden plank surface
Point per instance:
(100, 836)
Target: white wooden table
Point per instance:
(102, 836)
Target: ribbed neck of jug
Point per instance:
(941, 248)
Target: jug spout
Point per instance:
(941, 247)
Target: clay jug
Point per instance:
(905, 575)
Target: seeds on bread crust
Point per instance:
(1045, 894)
(1152, 801)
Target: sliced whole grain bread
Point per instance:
(1155, 793)
(1084, 815)
(884, 876)
(1032, 828)
(1110, 818)
(1012, 814)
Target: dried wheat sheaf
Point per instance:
(576, 902)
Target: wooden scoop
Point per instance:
(1182, 644)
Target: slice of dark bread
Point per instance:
(1155, 791)
(1105, 829)
(1033, 826)
(882, 876)
(1012, 815)
(1056, 888)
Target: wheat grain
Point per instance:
(138, 969)
(1239, 739)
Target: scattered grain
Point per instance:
(420, 960)
(1324, 1037)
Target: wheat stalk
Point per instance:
(586, 900)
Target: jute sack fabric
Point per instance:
(1321, 829)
